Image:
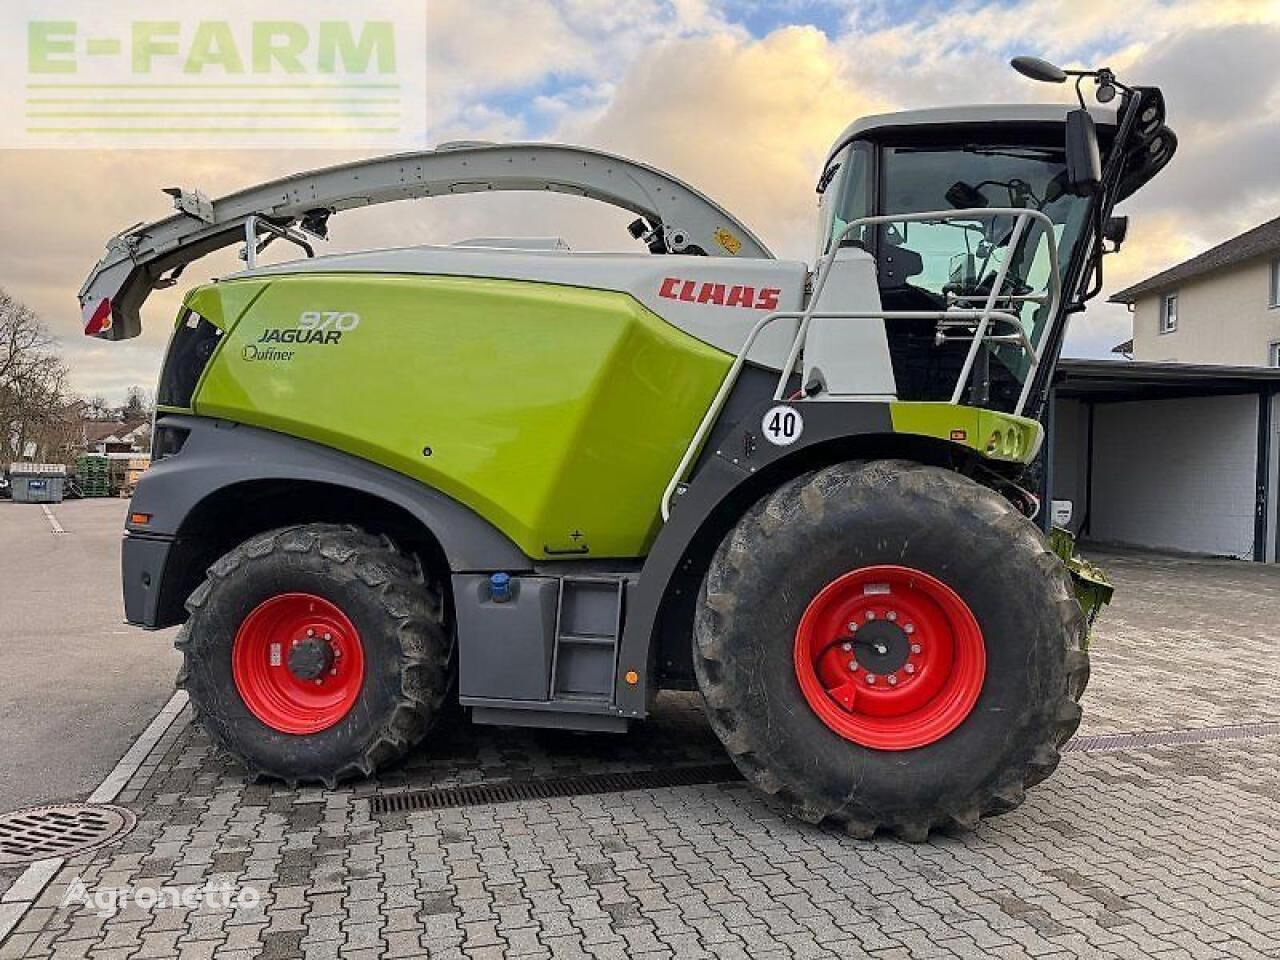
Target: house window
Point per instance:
(1169, 313)
(1273, 353)
(1275, 283)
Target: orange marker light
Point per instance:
(632, 677)
(139, 519)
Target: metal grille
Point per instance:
(58, 831)
(542, 789)
(1113, 743)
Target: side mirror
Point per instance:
(1037, 69)
(1084, 165)
(1115, 230)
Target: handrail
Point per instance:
(980, 333)
(984, 317)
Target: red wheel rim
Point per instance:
(890, 657)
(298, 663)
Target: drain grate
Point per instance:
(542, 789)
(59, 831)
(1112, 743)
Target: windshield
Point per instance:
(960, 258)
(954, 264)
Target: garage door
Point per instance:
(1177, 474)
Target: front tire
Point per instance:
(953, 663)
(315, 653)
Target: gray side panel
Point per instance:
(729, 473)
(755, 387)
(219, 454)
(505, 649)
(142, 565)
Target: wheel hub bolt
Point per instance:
(909, 628)
(853, 628)
(915, 648)
(909, 668)
(871, 614)
(853, 665)
(893, 679)
(846, 647)
(311, 633)
(892, 614)
(871, 678)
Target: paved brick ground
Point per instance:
(1164, 852)
(1188, 643)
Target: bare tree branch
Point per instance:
(34, 400)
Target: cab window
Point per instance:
(849, 196)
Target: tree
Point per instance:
(137, 405)
(33, 384)
(97, 408)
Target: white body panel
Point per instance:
(850, 356)
(715, 299)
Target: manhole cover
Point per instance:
(59, 831)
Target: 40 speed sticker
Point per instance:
(782, 425)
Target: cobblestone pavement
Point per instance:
(1165, 851)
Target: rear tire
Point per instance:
(368, 601)
(811, 534)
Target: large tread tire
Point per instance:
(400, 615)
(818, 526)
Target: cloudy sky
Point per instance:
(741, 98)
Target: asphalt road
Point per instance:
(76, 684)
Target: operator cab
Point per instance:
(966, 164)
(957, 159)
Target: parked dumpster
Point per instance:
(37, 482)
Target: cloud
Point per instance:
(522, 45)
(748, 122)
(1217, 76)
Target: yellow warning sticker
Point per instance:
(728, 241)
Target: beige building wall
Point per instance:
(1224, 317)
